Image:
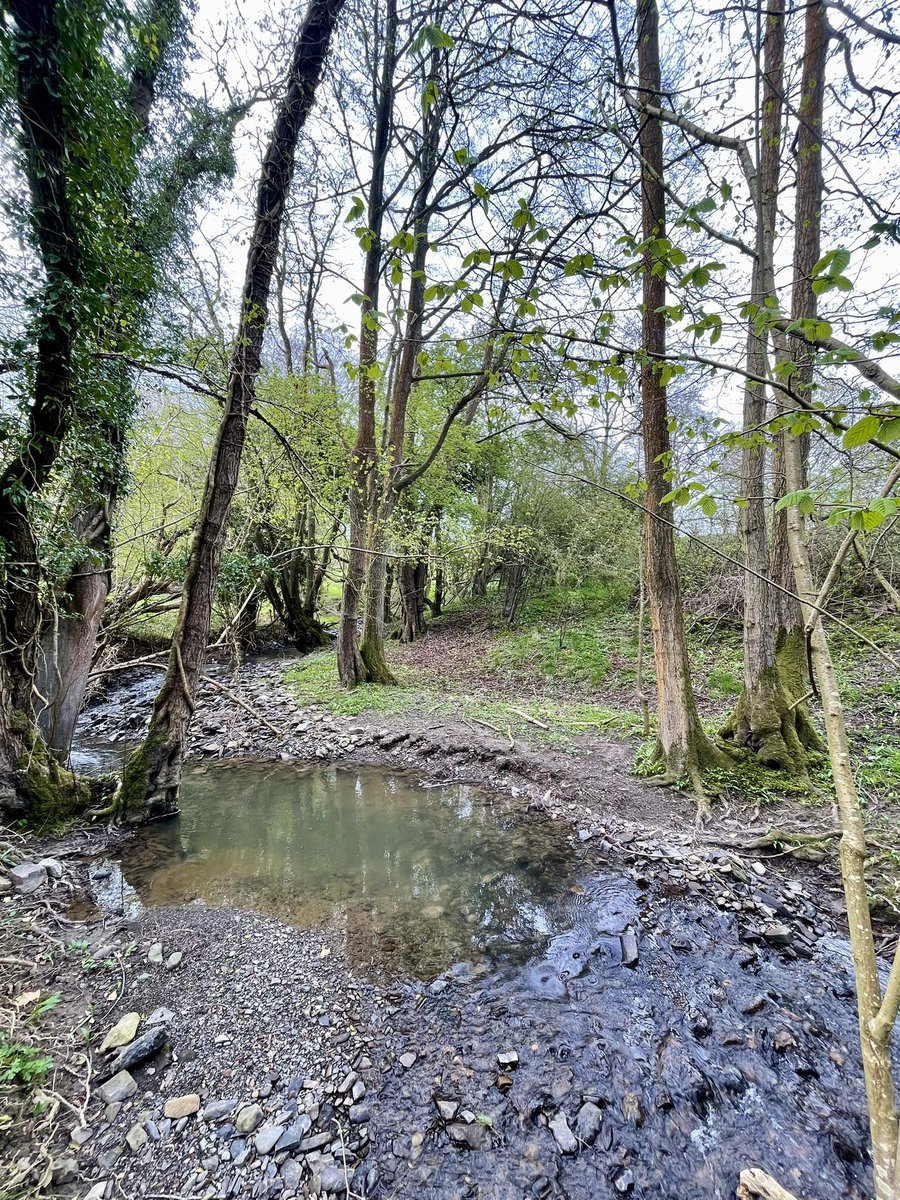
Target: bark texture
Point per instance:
(877, 1012)
(153, 773)
(763, 719)
(38, 95)
(683, 747)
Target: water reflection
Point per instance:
(418, 878)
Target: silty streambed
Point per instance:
(654, 1054)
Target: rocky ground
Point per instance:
(693, 1017)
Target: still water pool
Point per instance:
(416, 876)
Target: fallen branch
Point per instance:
(236, 699)
(528, 717)
(487, 725)
(756, 1183)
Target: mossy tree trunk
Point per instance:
(43, 133)
(153, 773)
(763, 719)
(683, 749)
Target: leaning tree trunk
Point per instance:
(153, 773)
(682, 746)
(877, 1012)
(763, 719)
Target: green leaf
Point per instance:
(863, 431)
(802, 499)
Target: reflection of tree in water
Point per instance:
(422, 877)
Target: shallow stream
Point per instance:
(618, 994)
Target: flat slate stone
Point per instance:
(28, 877)
(294, 1134)
(217, 1110)
(266, 1139)
(120, 1087)
(182, 1106)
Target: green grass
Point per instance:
(315, 681)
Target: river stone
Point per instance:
(408, 1059)
(291, 1174)
(136, 1137)
(294, 1134)
(160, 1016)
(508, 1060)
(267, 1138)
(120, 1087)
(122, 1032)
(182, 1106)
(333, 1180)
(588, 1122)
(473, 1137)
(359, 1114)
(141, 1048)
(447, 1109)
(629, 948)
(217, 1110)
(64, 1170)
(778, 935)
(27, 877)
(565, 1139)
(249, 1118)
(109, 1158)
(52, 866)
(155, 954)
(174, 960)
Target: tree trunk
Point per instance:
(877, 1014)
(351, 663)
(411, 578)
(683, 748)
(68, 645)
(371, 646)
(38, 93)
(791, 643)
(763, 719)
(153, 773)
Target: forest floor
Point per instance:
(691, 1015)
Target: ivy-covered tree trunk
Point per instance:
(763, 719)
(153, 773)
(683, 748)
(42, 126)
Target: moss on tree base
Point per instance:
(50, 795)
(766, 722)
